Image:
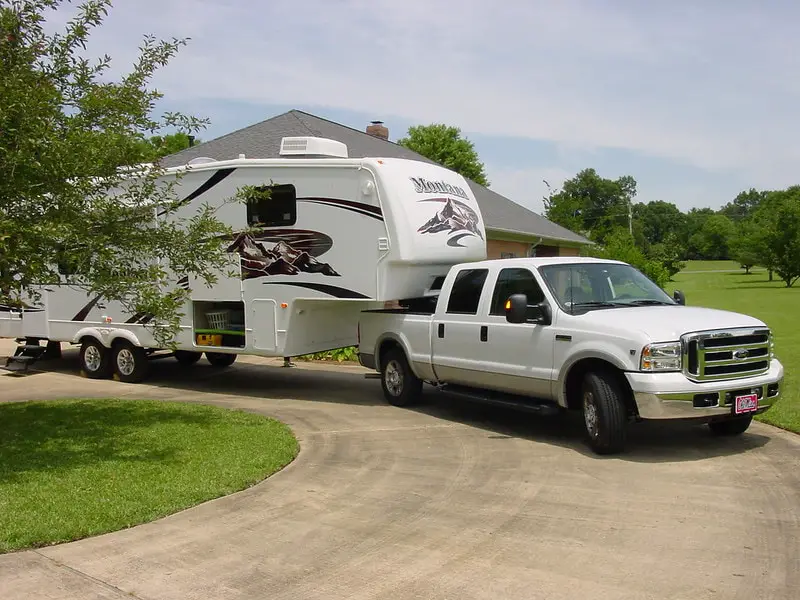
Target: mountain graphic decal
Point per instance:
(282, 258)
(455, 216)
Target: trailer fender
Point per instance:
(106, 335)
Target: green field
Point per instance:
(767, 300)
(75, 468)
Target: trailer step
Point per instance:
(24, 356)
(513, 401)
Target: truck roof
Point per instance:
(538, 261)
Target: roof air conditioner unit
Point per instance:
(201, 160)
(312, 147)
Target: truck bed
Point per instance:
(412, 328)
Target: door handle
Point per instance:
(441, 330)
(484, 333)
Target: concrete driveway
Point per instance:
(445, 501)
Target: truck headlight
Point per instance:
(661, 357)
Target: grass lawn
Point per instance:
(714, 265)
(767, 300)
(75, 468)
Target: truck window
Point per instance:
(466, 293)
(271, 206)
(514, 281)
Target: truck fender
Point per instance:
(401, 340)
(105, 335)
(603, 352)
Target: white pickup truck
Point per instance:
(552, 334)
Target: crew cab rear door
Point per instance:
(457, 352)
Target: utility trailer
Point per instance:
(337, 236)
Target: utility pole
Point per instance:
(630, 217)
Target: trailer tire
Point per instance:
(604, 412)
(400, 386)
(731, 426)
(131, 364)
(95, 359)
(220, 359)
(187, 357)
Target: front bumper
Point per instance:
(673, 396)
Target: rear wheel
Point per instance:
(95, 359)
(220, 359)
(732, 426)
(400, 386)
(187, 357)
(604, 413)
(130, 362)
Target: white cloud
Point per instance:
(712, 84)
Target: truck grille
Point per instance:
(726, 354)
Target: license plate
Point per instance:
(746, 404)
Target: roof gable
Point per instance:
(263, 140)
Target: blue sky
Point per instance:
(695, 100)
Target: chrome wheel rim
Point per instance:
(394, 378)
(126, 363)
(92, 358)
(590, 415)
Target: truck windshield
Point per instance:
(601, 285)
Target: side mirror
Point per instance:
(517, 308)
(519, 311)
(679, 297)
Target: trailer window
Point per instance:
(271, 206)
(466, 293)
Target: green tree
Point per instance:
(780, 214)
(69, 192)
(744, 205)
(659, 219)
(591, 204)
(669, 253)
(159, 146)
(748, 246)
(445, 145)
(695, 219)
(712, 241)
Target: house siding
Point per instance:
(502, 248)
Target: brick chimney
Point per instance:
(377, 129)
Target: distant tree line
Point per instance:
(757, 228)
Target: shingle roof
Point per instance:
(263, 140)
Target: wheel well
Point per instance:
(385, 346)
(586, 365)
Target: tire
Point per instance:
(732, 426)
(220, 359)
(130, 362)
(400, 386)
(95, 360)
(604, 413)
(187, 357)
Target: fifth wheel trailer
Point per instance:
(337, 235)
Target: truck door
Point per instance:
(456, 348)
(519, 356)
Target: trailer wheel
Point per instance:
(400, 386)
(220, 359)
(187, 357)
(604, 413)
(732, 426)
(95, 359)
(130, 362)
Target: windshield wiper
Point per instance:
(649, 302)
(598, 303)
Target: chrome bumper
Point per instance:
(672, 396)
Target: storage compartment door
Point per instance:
(262, 324)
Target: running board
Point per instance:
(514, 401)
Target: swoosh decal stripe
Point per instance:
(331, 290)
(216, 178)
(359, 207)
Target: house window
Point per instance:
(271, 206)
(508, 255)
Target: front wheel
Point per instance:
(220, 359)
(400, 386)
(95, 360)
(732, 426)
(604, 413)
(130, 362)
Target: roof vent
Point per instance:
(201, 160)
(312, 147)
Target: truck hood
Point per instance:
(663, 323)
